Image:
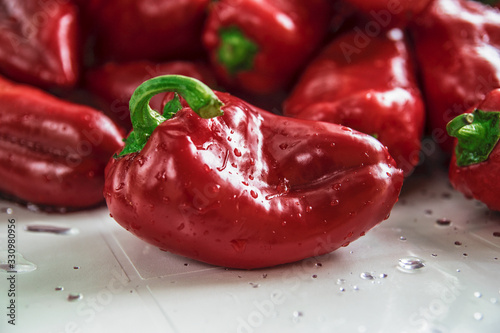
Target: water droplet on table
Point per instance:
(478, 316)
(297, 315)
(75, 297)
(6, 210)
(52, 229)
(366, 276)
(21, 264)
(410, 264)
(443, 222)
(477, 294)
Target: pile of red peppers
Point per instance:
(245, 133)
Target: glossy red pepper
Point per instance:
(129, 30)
(259, 46)
(114, 83)
(372, 89)
(39, 42)
(52, 152)
(384, 14)
(457, 44)
(245, 188)
(475, 164)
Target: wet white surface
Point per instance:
(431, 267)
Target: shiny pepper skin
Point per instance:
(39, 42)
(372, 89)
(251, 189)
(480, 180)
(52, 152)
(457, 43)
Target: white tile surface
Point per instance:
(130, 286)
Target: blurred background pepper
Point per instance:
(371, 87)
(260, 46)
(475, 164)
(127, 30)
(457, 45)
(52, 152)
(40, 42)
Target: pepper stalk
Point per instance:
(477, 133)
(198, 96)
(236, 51)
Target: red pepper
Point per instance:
(371, 88)
(258, 46)
(39, 42)
(128, 30)
(246, 188)
(383, 14)
(113, 84)
(475, 164)
(52, 152)
(457, 45)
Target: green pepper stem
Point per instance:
(477, 134)
(489, 2)
(236, 52)
(199, 97)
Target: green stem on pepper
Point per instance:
(489, 2)
(236, 52)
(199, 97)
(477, 134)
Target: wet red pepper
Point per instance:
(114, 83)
(129, 30)
(245, 188)
(383, 14)
(52, 152)
(372, 89)
(475, 164)
(457, 44)
(258, 46)
(39, 42)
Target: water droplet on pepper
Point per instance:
(239, 245)
(334, 202)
